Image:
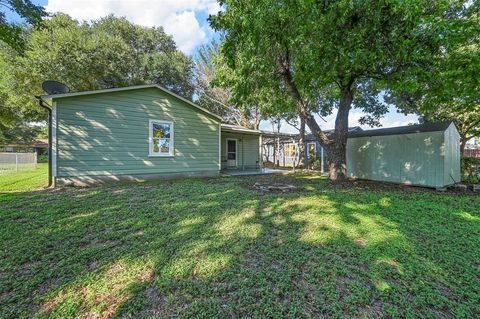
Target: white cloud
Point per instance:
(178, 17)
(185, 30)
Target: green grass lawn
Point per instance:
(24, 180)
(207, 248)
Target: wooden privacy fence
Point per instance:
(471, 153)
(17, 161)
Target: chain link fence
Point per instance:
(14, 162)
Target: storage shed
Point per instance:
(425, 154)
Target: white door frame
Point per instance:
(236, 151)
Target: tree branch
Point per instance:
(284, 70)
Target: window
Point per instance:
(290, 150)
(311, 151)
(161, 138)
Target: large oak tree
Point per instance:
(328, 55)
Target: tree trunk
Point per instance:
(308, 118)
(336, 148)
(258, 118)
(301, 144)
(463, 142)
(337, 163)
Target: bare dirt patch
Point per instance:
(365, 185)
(261, 183)
(273, 183)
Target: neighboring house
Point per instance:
(282, 149)
(41, 146)
(141, 132)
(38, 146)
(472, 148)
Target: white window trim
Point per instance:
(171, 153)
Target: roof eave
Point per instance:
(51, 97)
(240, 131)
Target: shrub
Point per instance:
(42, 159)
(470, 167)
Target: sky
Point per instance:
(186, 21)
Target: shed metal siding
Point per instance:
(248, 146)
(416, 159)
(108, 135)
(452, 156)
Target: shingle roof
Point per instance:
(418, 128)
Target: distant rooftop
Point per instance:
(308, 136)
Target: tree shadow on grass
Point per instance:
(209, 248)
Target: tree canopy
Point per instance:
(12, 33)
(450, 89)
(110, 52)
(329, 55)
(218, 99)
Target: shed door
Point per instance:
(231, 153)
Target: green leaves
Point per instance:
(448, 89)
(12, 33)
(340, 43)
(110, 52)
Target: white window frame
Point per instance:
(171, 152)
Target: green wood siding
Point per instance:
(107, 134)
(417, 159)
(248, 150)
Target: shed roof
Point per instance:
(409, 129)
(127, 88)
(329, 133)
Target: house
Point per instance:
(141, 132)
(38, 146)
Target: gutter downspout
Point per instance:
(49, 110)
